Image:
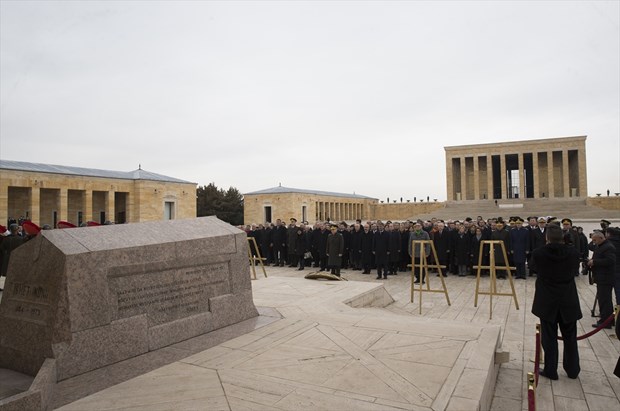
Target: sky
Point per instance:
(349, 97)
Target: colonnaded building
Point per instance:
(46, 194)
(553, 168)
(533, 176)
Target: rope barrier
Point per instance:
(602, 325)
(533, 377)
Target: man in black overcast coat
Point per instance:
(556, 302)
(603, 264)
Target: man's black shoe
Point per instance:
(378, 277)
(542, 373)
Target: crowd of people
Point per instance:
(386, 246)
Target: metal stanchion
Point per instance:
(531, 392)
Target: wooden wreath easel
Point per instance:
(492, 274)
(255, 258)
(423, 267)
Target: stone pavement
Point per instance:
(328, 355)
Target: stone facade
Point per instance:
(552, 168)
(48, 197)
(305, 205)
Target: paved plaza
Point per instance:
(311, 348)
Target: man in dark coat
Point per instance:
(520, 243)
(556, 302)
(603, 264)
(334, 250)
(301, 245)
(346, 235)
(291, 236)
(415, 250)
(9, 244)
(366, 249)
(500, 234)
(613, 236)
(394, 249)
(355, 252)
(266, 243)
(380, 249)
(279, 243)
(571, 237)
(441, 241)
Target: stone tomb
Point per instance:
(89, 297)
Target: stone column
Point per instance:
(502, 166)
(35, 205)
(522, 182)
(463, 179)
(63, 213)
(583, 180)
(4, 202)
(476, 178)
(88, 206)
(110, 213)
(449, 179)
(490, 177)
(535, 172)
(565, 171)
(550, 182)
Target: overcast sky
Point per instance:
(336, 96)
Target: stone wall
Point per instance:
(608, 203)
(38, 195)
(403, 211)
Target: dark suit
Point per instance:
(603, 273)
(556, 302)
(501, 235)
(380, 247)
(7, 245)
(441, 241)
(366, 250)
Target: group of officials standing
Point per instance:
(386, 247)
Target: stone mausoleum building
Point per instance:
(551, 168)
(46, 194)
(266, 206)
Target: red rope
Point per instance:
(597, 329)
(531, 399)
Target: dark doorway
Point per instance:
(268, 214)
(497, 177)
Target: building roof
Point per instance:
(283, 190)
(570, 142)
(138, 174)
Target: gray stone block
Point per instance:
(180, 330)
(93, 296)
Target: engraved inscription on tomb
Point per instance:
(169, 294)
(28, 302)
